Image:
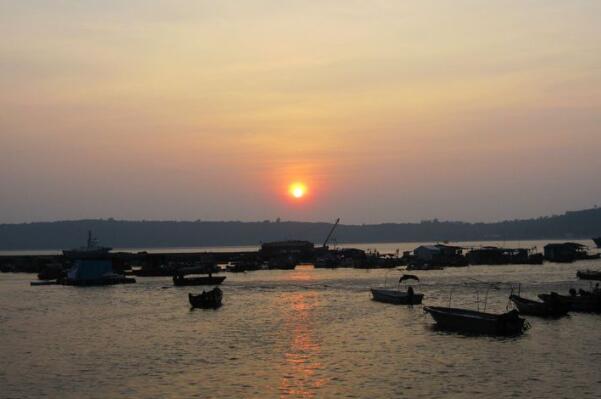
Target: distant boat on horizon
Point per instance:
(91, 250)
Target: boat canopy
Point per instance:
(408, 277)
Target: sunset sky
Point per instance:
(383, 110)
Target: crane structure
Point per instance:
(325, 243)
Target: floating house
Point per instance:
(94, 272)
(301, 250)
(439, 255)
(490, 255)
(567, 252)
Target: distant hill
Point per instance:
(582, 224)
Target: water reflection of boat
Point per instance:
(398, 297)
(475, 322)
(208, 299)
(552, 308)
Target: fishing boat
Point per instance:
(398, 297)
(584, 301)
(476, 322)
(552, 308)
(52, 272)
(180, 280)
(207, 299)
(45, 282)
(153, 271)
(589, 275)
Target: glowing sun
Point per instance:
(297, 190)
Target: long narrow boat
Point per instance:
(589, 275)
(209, 299)
(110, 279)
(589, 302)
(45, 282)
(179, 280)
(552, 308)
(396, 297)
(475, 322)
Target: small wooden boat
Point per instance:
(51, 272)
(475, 322)
(179, 280)
(112, 279)
(207, 299)
(552, 308)
(45, 282)
(582, 302)
(397, 296)
(589, 275)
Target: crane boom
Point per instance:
(331, 232)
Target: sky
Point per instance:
(386, 111)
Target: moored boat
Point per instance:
(582, 302)
(551, 308)
(45, 282)
(207, 299)
(398, 297)
(107, 279)
(52, 272)
(589, 275)
(474, 322)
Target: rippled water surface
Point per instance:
(302, 333)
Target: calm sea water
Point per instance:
(306, 333)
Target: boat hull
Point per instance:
(474, 322)
(589, 275)
(543, 309)
(98, 282)
(396, 297)
(590, 303)
(153, 272)
(206, 300)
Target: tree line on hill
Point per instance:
(582, 224)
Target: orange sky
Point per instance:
(386, 110)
